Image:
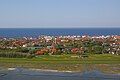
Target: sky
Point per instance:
(59, 13)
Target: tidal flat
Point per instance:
(38, 74)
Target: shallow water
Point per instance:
(27, 74)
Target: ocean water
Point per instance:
(35, 32)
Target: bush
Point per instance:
(32, 51)
(23, 50)
(30, 56)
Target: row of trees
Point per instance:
(16, 55)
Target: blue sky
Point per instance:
(59, 13)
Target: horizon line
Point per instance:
(66, 27)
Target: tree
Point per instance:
(23, 50)
(98, 49)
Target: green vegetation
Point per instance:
(66, 59)
(65, 62)
(17, 53)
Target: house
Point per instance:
(39, 52)
(53, 50)
(75, 50)
(42, 51)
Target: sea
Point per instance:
(35, 32)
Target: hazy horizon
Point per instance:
(62, 27)
(59, 13)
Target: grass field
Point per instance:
(64, 62)
(72, 59)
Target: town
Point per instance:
(58, 45)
